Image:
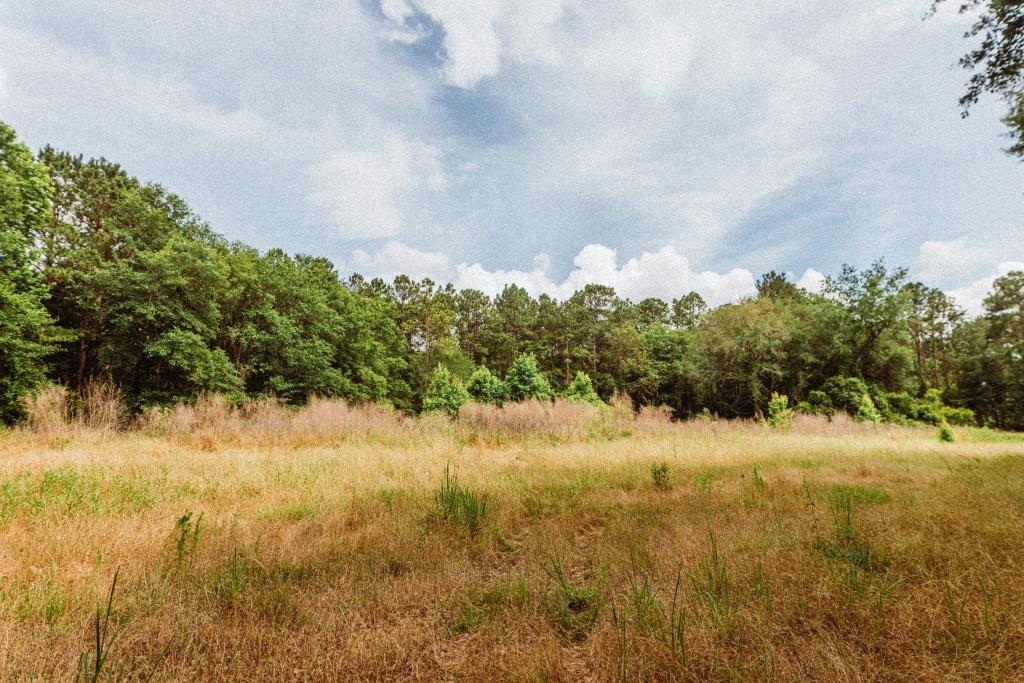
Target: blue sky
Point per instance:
(654, 146)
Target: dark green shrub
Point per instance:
(581, 389)
(445, 393)
(819, 402)
(486, 387)
(525, 381)
(846, 393)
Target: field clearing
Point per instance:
(828, 552)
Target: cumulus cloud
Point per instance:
(477, 32)
(812, 281)
(665, 274)
(952, 261)
(493, 130)
(363, 188)
(972, 296)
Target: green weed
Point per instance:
(572, 609)
(661, 476)
(94, 664)
(713, 588)
(461, 505)
(187, 538)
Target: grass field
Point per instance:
(698, 551)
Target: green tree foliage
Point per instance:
(132, 273)
(932, 319)
(780, 415)
(581, 389)
(776, 286)
(688, 310)
(444, 393)
(990, 350)
(146, 295)
(26, 328)
(874, 327)
(486, 387)
(525, 381)
(996, 62)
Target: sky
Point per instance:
(658, 147)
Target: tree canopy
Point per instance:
(106, 278)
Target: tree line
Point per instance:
(103, 277)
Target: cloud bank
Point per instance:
(633, 142)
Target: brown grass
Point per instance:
(832, 551)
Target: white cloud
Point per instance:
(639, 123)
(972, 297)
(395, 258)
(812, 281)
(363, 189)
(649, 47)
(665, 274)
(952, 261)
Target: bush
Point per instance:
(930, 409)
(780, 416)
(866, 411)
(524, 380)
(846, 393)
(945, 434)
(486, 387)
(581, 390)
(961, 417)
(660, 475)
(881, 402)
(444, 393)
(820, 403)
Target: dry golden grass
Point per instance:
(267, 544)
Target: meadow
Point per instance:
(534, 543)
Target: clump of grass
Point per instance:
(704, 480)
(572, 609)
(461, 505)
(713, 587)
(946, 434)
(643, 601)
(506, 593)
(977, 628)
(847, 545)
(760, 491)
(232, 579)
(48, 411)
(677, 618)
(661, 476)
(760, 487)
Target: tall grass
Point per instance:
(459, 504)
(48, 411)
(557, 420)
(321, 554)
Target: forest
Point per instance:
(104, 278)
